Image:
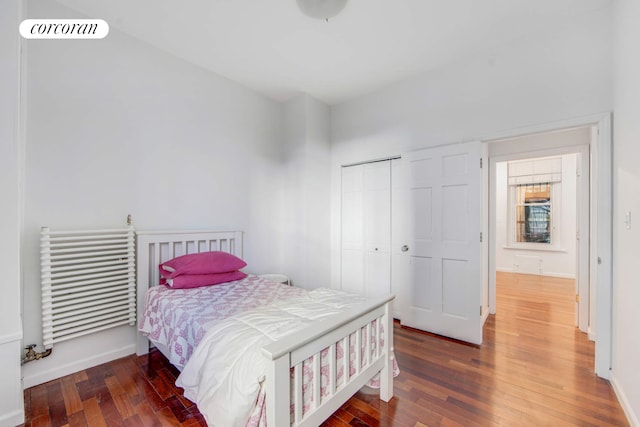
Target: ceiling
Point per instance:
(271, 47)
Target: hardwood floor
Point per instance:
(533, 369)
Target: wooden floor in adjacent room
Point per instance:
(533, 369)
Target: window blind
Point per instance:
(535, 171)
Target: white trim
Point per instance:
(78, 365)
(365, 162)
(601, 150)
(547, 274)
(633, 419)
(12, 418)
(575, 122)
(16, 336)
(525, 247)
(186, 232)
(603, 176)
(559, 275)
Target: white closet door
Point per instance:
(352, 256)
(366, 228)
(377, 228)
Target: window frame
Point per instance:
(555, 202)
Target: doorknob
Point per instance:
(404, 248)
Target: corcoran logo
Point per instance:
(64, 29)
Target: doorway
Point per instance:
(542, 220)
(592, 149)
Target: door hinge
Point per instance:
(481, 237)
(480, 310)
(480, 162)
(577, 298)
(577, 235)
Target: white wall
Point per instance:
(561, 262)
(11, 403)
(563, 73)
(307, 189)
(117, 127)
(625, 374)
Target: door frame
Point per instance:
(600, 258)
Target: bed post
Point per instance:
(277, 390)
(142, 279)
(386, 374)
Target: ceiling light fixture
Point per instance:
(321, 9)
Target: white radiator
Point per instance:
(88, 282)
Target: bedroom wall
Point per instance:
(306, 133)
(11, 403)
(117, 127)
(559, 73)
(625, 375)
(558, 263)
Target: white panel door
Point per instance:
(352, 232)
(366, 229)
(445, 190)
(377, 228)
(399, 235)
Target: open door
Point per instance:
(445, 225)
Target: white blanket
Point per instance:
(223, 375)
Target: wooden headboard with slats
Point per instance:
(155, 247)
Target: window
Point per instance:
(533, 213)
(534, 202)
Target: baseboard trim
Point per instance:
(76, 366)
(624, 402)
(543, 273)
(560, 275)
(16, 336)
(11, 419)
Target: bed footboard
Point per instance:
(370, 325)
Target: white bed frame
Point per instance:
(154, 247)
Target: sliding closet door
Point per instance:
(377, 232)
(352, 250)
(366, 228)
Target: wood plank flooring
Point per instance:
(533, 369)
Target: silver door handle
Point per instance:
(404, 248)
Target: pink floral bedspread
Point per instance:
(179, 318)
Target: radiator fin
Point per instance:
(88, 282)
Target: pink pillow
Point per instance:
(201, 263)
(188, 281)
